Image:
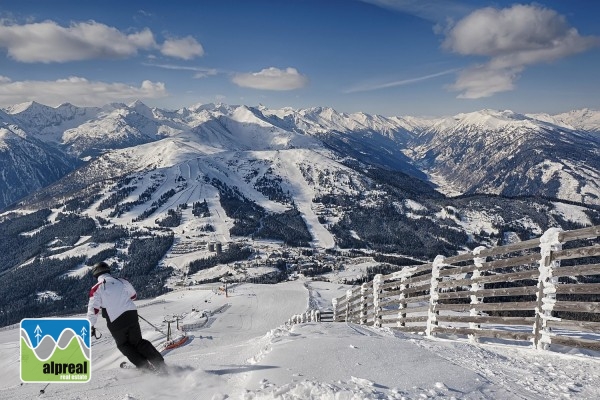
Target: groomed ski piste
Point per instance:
(240, 346)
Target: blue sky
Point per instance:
(388, 57)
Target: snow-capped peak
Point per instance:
(26, 106)
(141, 109)
(583, 119)
(485, 120)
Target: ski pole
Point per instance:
(145, 320)
(42, 391)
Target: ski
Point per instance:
(128, 365)
(168, 370)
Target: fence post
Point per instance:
(363, 303)
(402, 302)
(334, 303)
(478, 261)
(377, 318)
(348, 296)
(403, 276)
(546, 294)
(432, 322)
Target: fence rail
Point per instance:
(544, 290)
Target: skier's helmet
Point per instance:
(100, 268)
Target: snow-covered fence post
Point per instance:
(364, 288)
(475, 287)
(402, 302)
(432, 322)
(403, 276)
(334, 304)
(377, 318)
(348, 296)
(546, 294)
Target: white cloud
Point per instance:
(512, 38)
(271, 79)
(48, 42)
(186, 48)
(76, 90)
(482, 81)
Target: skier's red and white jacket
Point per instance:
(114, 295)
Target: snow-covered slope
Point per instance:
(49, 123)
(240, 347)
(506, 153)
(583, 120)
(118, 127)
(28, 164)
(190, 168)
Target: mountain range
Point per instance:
(149, 189)
(493, 152)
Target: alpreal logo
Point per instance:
(55, 350)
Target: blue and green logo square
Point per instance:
(55, 350)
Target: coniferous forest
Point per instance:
(28, 241)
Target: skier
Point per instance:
(114, 297)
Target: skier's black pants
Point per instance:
(128, 337)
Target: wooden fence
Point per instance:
(542, 290)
